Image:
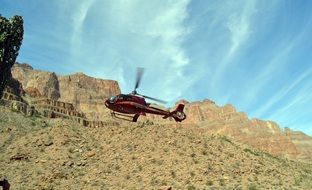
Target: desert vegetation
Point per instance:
(60, 154)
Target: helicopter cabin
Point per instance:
(125, 97)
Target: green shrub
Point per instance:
(191, 187)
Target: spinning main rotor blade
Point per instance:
(140, 72)
(155, 99)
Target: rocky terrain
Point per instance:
(263, 135)
(87, 96)
(55, 133)
(41, 153)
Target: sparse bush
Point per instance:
(191, 187)
(204, 152)
(252, 187)
(160, 162)
(148, 122)
(192, 174)
(71, 150)
(14, 109)
(209, 183)
(153, 160)
(88, 148)
(252, 152)
(222, 182)
(108, 142)
(224, 138)
(39, 171)
(173, 174)
(154, 181)
(297, 181)
(117, 167)
(127, 176)
(195, 161)
(140, 168)
(210, 167)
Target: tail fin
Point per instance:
(178, 113)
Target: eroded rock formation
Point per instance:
(225, 120)
(86, 93)
(81, 98)
(37, 83)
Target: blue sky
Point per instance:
(256, 55)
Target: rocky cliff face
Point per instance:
(87, 94)
(36, 83)
(264, 135)
(84, 92)
(302, 142)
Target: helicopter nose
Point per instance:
(107, 103)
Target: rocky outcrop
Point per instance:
(77, 97)
(226, 120)
(56, 109)
(35, 82)
(81, 98)
(263, 135)
(133, 156)
(302, 142)
(86, 93)
(11, 98)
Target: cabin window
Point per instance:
(125, 97)
(112, 99)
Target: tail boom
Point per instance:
(178, 114)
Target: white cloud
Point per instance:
(302, 97)
(122, 35)
(266, 74)
(282, 93)
(78, 18)
(238, 18)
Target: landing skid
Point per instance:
(125, 117)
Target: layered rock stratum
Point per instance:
(264, 135)
(66, 139)
(87, 95)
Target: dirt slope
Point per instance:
(59, 154)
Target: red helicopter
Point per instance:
(130, 106)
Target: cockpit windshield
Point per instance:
(112, 99)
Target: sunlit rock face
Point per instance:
(302, 142)
(86, 93)
(225, 120)
(264, 135)
(35, 82)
